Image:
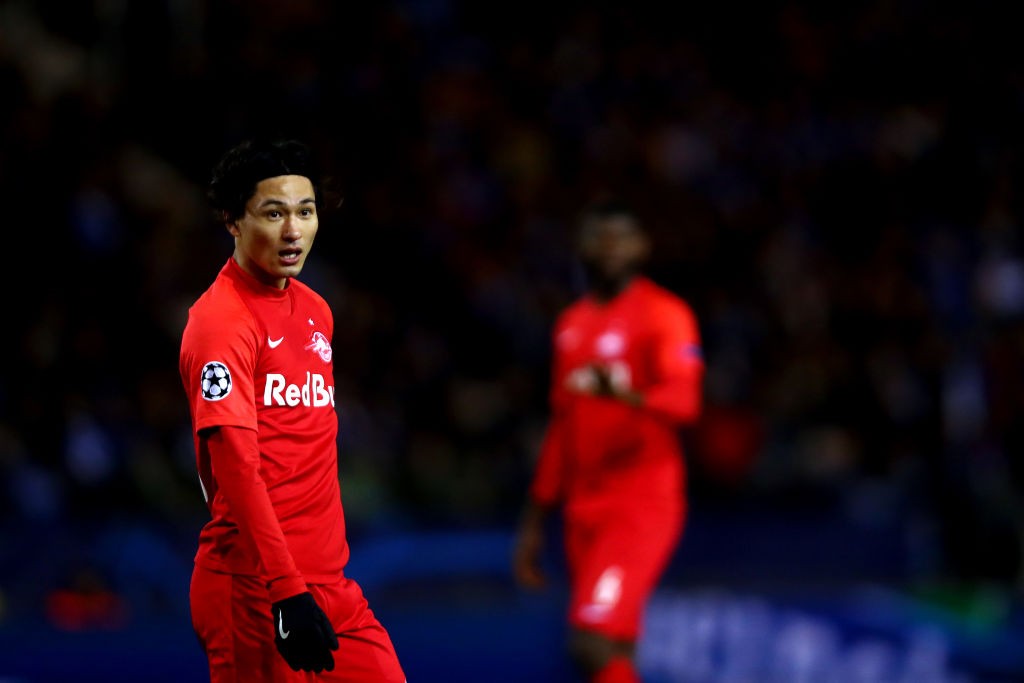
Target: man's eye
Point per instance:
(307, 212)
(273, 214)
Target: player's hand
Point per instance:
(608, 383)
(603, 385)
(303, 634)
(526, 557)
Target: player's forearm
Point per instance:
(679, 402)
(534, 513)
(546, 488)
(234, 454)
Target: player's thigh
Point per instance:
(365, 652)
(231, 617)
(618, 571)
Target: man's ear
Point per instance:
(233, 228)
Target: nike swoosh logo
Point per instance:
(280, 616)
(274, 343)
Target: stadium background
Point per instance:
(834, 189)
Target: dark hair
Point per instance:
(236, 175)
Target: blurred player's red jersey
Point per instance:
(274, 347)
(617, 469)
(600, 450)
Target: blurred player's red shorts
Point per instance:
(616, 554)
(231, 616)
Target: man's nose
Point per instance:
(290, 230)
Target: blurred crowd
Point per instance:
(833, 187)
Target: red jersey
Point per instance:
(597, 449)
(259, 358)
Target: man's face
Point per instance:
(276, 232)
(612, 247)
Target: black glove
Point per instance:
(303, 634)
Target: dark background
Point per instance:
(835, 190)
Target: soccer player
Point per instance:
(269, 597)
(627, 373)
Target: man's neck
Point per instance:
(604, 290)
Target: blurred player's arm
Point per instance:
(677, 395)
(544, 496)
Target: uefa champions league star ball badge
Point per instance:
(216, 381)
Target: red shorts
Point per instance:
(615, 556)
(231, 616)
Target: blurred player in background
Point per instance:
(269, 597)
(627, 373)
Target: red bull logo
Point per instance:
(321, 346)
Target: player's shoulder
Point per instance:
(220, 300)
(660, 295)
(301, 289)
(664, 304)
(218, 319)
(312, 297)
(571, 312)
(219, 315)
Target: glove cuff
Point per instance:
(286, 587)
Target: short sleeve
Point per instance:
(217, 364)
